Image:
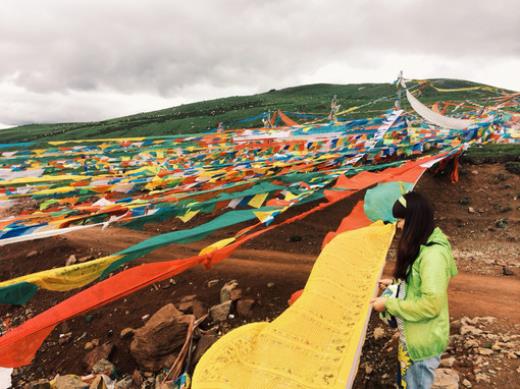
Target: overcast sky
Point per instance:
(90, 60)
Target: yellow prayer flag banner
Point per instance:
(188, 215)
(217, 245)
(316, 342)
(258, 200)
(66, 278)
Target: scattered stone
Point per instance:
(379, 332)
(446, 379)
(104, 366)
(466, 383)
(203, 345)
(126, 333)
(368, 369)
(64, 338)
(474, 172)
(155, 345)
(97, 354)
(447, 362)
(235, 294)
(198, 309)
(481, 377)
(245, 307)
(186, 303)
(501, 223)
(507, 271)
(485, 351)
(88, 346)
(220, 312)
(471, 210)
(85, 259)
(32, 253)
(212, 283)
(270, 284)
(71, 260)
(39, 384)
(469, 329)
(101, 381)
(225, 291)
(70, 381)
(145, 317)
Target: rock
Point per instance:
(212, 283)
(235, 294)
(145, 317)
(507, 271)
(368, 369)
(446, 379)
(97, 354)
(71, 260)
(470, 343)
(124, 383)
(485, 351)
(468, 329)
(186, 303)
(270, 284)
(220, 312)
(501, 223)
(64, 338)
(70, 381)
(85, 259)
(466, 383)
(203, 345)
(39, 384)
(31, 253)
(126, 333)
(225, 291)
(447, 362)
(104, 366)
(474, 172)
(101, 382)
(198, 309)
(88, 346)
(154, 345)
(471, 210)
(245, 307)
(379, 332)
(481, 377)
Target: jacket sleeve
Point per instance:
(433, 271)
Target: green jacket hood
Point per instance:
(438, 237)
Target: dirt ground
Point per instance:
(480, 214)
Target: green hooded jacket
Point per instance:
(424, 310)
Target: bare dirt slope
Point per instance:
(480, 214)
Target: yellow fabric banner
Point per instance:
(68, 277)
(258, 200)
(316, 342)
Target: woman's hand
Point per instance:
(379, 303)
(385, 282)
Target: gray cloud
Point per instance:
(96, 59)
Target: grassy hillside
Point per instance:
(204, 115)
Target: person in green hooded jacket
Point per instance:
(423, 271)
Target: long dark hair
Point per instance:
(417, 213)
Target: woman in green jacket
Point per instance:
(424, 268)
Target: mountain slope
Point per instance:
(204, 115)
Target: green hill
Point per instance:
(204, 115)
